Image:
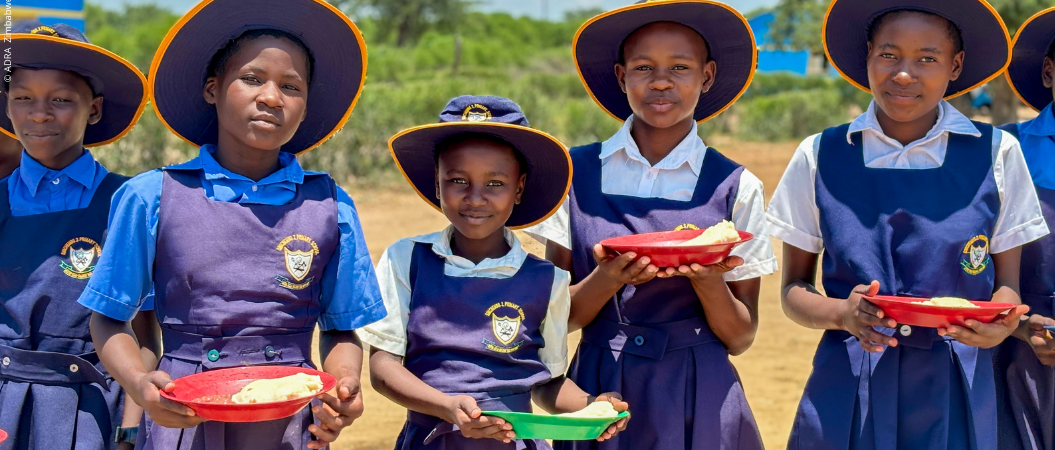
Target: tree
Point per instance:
(797, 25)
(408, 20)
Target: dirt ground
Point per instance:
(774, 370)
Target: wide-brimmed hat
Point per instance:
(985, 38)
(549, 165)
(62, 47)
(180, 66)
(598, 42)
(1028, 50)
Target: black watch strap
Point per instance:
(126, 434)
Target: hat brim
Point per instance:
(549, 165)
(1029, 48)
(596, 50)
(179, 68)
(124, 87)
(985, 38)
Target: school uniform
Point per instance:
(492, 330)
(243, 270)
(52, 225)
(909, 217)
(1025, 387)
(54, 391)
(224, 255)
(652, 342)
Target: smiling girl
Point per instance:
(913, 199)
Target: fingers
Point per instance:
(329, 400)
(488, 427)
(613, 429)
(323, 434)
(634, 268)
(328, 419)
(870, 314)
(873, 341)
(600, 253)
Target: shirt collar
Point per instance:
(33, 174)
(690, 150)
(949, 121)
(1042, 125)
(509, 263)
(289, 168)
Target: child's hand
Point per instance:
(617, 402)
(986, 335)
(697, 273)
(623, 269)
(147, 393)
(463, 412)
(860, 316)
(1039, 338)
(336, 413)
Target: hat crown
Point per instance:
(60, 30)
(474, 108)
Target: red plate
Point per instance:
(662, 247)
(906, 311)
(3, 435)
(230, 381)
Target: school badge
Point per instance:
(299, 252)
(686, 226)
(505, 328)
(976, 255)
(476, 113)
(79, 256)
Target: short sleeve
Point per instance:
(793, 214)
(393, 276)
(749, 215)
(556, 228)
(350, 296)
(123, 278)
(1020, 220)
(554, 352)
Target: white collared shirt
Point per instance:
(393, 275)
(624, 171)
(793, 211)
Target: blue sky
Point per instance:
(533, 8)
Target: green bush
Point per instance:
(789, 115)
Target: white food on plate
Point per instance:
(722, 233)
(278, 389)
(949, 302)
(596, 409)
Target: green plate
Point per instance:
(558, 428)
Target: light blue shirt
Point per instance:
(34, 189)
(350, 295)
(1037, 138)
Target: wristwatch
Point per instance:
(126, 434)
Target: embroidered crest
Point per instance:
(686, 226)
(298, 261)
(79, 256)
(476, 113)
(976, 255)
(505, 328)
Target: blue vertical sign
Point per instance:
(49, 12)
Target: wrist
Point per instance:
(603, 280)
